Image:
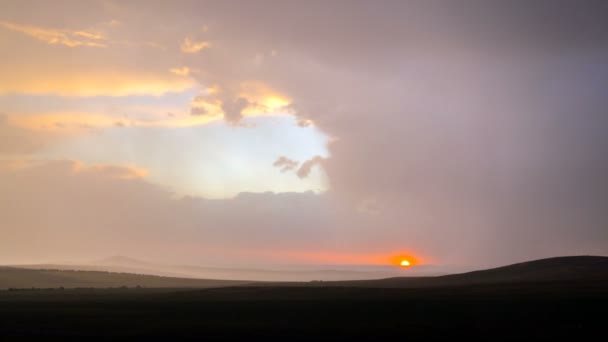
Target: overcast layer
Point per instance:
(265, 132)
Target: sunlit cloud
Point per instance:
(78, 122)
(111, 171)
(252, 99)
(91, 83)
(124, 171)
(89, 35)
(183, 71)
(59, 36)
(66, 122)
(193, 46)
(264, 97)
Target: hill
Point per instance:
(11, 277)
(276, 273)
(589, 269)
(558, 269)
(512, 309)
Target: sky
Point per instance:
(289, 132)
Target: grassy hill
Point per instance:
(559, 269)
(27, 278)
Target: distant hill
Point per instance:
(559, 269)
(123, 264)
(11, 277)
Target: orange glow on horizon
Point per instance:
(334, 258)
(408, 259)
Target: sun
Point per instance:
(405, 260)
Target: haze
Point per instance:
(264, 133)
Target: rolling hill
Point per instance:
(558, 269)
(11, 277)
(276, 273)
(544, 300)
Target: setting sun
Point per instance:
(405, 260)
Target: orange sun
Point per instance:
(405, 260)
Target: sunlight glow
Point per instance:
(406, 259)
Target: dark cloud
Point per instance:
(233, 109)
(198, 111)
(307, 166)
(285, 164)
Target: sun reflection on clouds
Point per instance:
(75, 122)
(59, 36)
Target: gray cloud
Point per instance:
(63, 209)
(95, 211)
(198, 111)
(307, 166)
(477, 128)
(285, 164)
(233, 109)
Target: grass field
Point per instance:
(549, 310)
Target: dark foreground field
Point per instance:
(545, 310)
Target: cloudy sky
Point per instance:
(318, 132)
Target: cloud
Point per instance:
(183, 71)
(307, 166)
(470, 126)
(285, 164)
(40, 80)
(482, 124)
(262, 98)
(70, 123)
(59, 37)
(233, 109)
(123, 67)
(107, 171)
(15, 140)
(95, 210)
(245, 99)
(91, 211)
(198, 111)
(193, 46)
